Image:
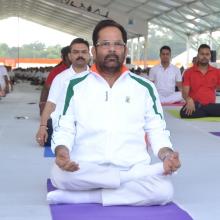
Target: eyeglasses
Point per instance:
(76, 52)
(108, 44)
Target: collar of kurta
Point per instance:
(210, 68)
(72, 69)
(161, 66)
(94, 69)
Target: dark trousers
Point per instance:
(50, 131)
(210, 110)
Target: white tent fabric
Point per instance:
(182, 58)
(78, 17)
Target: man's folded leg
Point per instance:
(141, 170)
(90, 176)
(151, 190)
(94, 176)
(64, 196)
(93, 182)
(175, 97)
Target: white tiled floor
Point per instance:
(197, 183)
(24, 170)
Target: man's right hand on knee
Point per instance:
(63, 159)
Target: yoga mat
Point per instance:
(48, 152)
(215, 133)
(98, 212)
(175, 113)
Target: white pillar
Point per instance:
(138, 49)
(188, 46)
(145, 46)
(18, 43)
(132, 51)
(210, 40)
(198, 40)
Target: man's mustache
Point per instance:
(205, 60)
(80, 58)
(109, 56)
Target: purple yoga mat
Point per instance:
(98, 212)
(215, 133)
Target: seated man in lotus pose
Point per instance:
(199, 87)
(166, 78)
(101, 154)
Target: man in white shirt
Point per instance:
(79, 57)
(166, 77)
(4, 81)
(101, 154)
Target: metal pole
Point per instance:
(132, 50)
(188, 46)
(18, 42)
(145, 46)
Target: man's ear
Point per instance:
(126, 51)
(93, 52)
(69, 57)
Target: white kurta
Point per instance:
(58, 90)
(3, 74)
(165, 81)
(106, 127)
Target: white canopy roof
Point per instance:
(78, 17)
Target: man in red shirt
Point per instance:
(199, 87)
(64, 64)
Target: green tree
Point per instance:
(33, 50)
(54, 51)
(4, 50)
(158, 37)
(13, 52)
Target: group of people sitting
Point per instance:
(36, 75)
(104, 117)
(8, 77)
(197, 87)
